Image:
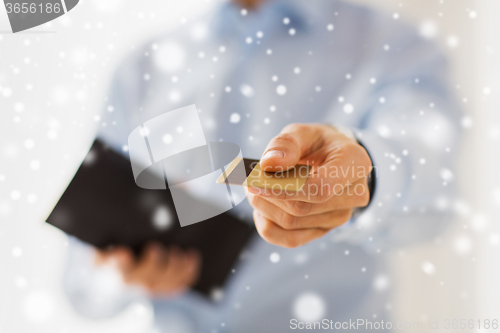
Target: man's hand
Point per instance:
(336, 185)
(162, 272)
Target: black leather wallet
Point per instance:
(104, 207)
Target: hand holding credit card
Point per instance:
(287, 180)
(310, 179)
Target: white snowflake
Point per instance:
(235, 118)
(462, 244)
(274, 257)
(309, 307)
(428, 29)
(167, 139)
(247, 90)
(452, 41)
(17, 251)
(428, 268)
(381, 282)
(348, 108)
(39, 306)
(281, 90)
(162, 218)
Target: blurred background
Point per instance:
(52, 86)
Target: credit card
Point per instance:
(252, 175)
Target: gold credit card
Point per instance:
(247, 172)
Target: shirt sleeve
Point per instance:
(95, 292)
(410, 128)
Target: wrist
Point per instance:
(371, 181)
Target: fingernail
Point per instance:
(273, 154)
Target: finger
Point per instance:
(100, 257)
(181, 272)
(183, 266)
(274, 234)
(287, 221)
(103, 256)
(121, 258)
(317, 189)
(345, 162)
(356, 195)
(124, 257)
(147, 267)
(285, 150)
(193, 267)
(328, 218)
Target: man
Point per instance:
(326, 82)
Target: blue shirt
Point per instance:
(250, 73)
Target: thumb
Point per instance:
(293, 143)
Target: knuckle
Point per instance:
(288, 221)
(281, 194)
(253, 200)
(346, 147)
(287, 138)
(292, 241)
(265, 231)
(322, 196)
(300, 208)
